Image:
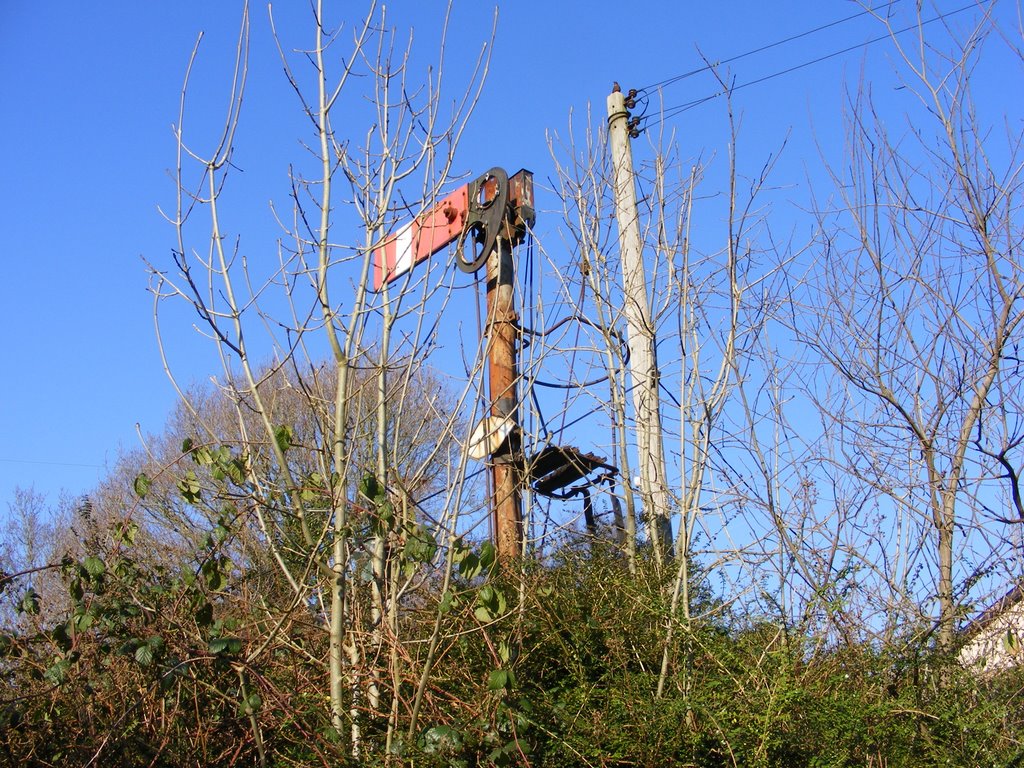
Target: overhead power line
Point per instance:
(50, 463)
(670, 112)
(769, 46)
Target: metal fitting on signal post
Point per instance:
(509, 317)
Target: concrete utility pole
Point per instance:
(640, 335)
(502, 338)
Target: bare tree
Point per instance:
(916, 304)
(367, 171)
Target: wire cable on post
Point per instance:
(676, 78)
(678, 109)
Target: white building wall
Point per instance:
(999, 645)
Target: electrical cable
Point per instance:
(575, 351)
(671, 112)
(482, 399)
(529, 310)
(583, 320)
(52, 463)
(442, 491)
(745, 54)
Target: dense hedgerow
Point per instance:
(559, 668)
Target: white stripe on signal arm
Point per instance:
(404, 251)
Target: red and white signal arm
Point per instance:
(422, 237)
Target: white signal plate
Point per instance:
(488, 435)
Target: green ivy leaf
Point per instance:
(500, 604)
(29, 602)
(384, 518)
(491, 603)
(214, 576)
(447, 602)
(125, 569)
(487, 555)
(147, 651)
(142, 485)
(189, 487)
(62, 638)
(83, 620)
(370, 488)
(283, 436)
(470, 566)
(144, 655)
(225, 646)
(58, 673)
(126, 533)
(459, 551)
(483, 614)
(504, 652)
(499, 680)
(94, 566)
(251, 704)
(220, 533)
(1011, 643)
(441, 739)
(503, 756)
(420, 546)
(128, 647)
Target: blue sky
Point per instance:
(90, 92)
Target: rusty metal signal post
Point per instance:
(486, 218)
